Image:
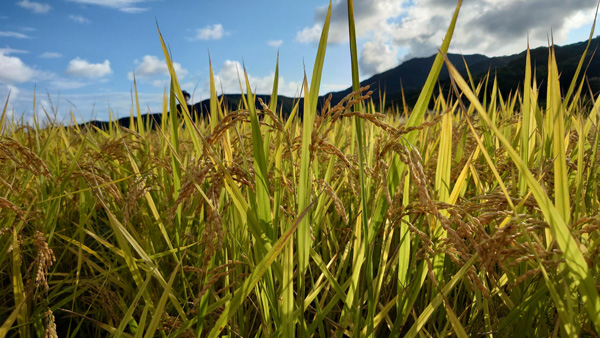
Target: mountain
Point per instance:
(509, 70)
(512, 74)
(409, 76)
(412, 74)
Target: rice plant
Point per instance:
(478, 217)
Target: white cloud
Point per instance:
(491, 27)
(79, 19)
(81, 67)
(369, 16)
(152, 66)
(275, 43)
(332, 87)
(160, 83)
(165, 83)
(127, 6)
(50, 55)
(14, 100)
(214, 32)
(377, 56)
(579, 20)
(187, 86)
(13, 70)
(14, 91)
(227, 79)
(36, 7)
(84, 106)
(309, 34)
(14, 35)
(372, 21)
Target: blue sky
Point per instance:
(80, 54)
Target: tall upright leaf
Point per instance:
(561, 179)
(262, 204)
(526, 115)
(305, 179)
(360, 138)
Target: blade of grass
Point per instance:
(561, 178)
(140, 123)
(214, 114)
(360, 138)
(3, 118)
(262, 203)
(525, 121)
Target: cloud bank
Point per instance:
(153, 68)
(392, 31)
(232, 73)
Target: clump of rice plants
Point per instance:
(478, 219)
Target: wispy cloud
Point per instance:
(79, 19)
(275, 43)
(36, 7)
(50, 55)
(127, 6)
(83, 68)
(66, 84)
(133, 10)
(214, 32)
(8, 50)
(17, 35)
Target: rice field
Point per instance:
(479, 217)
